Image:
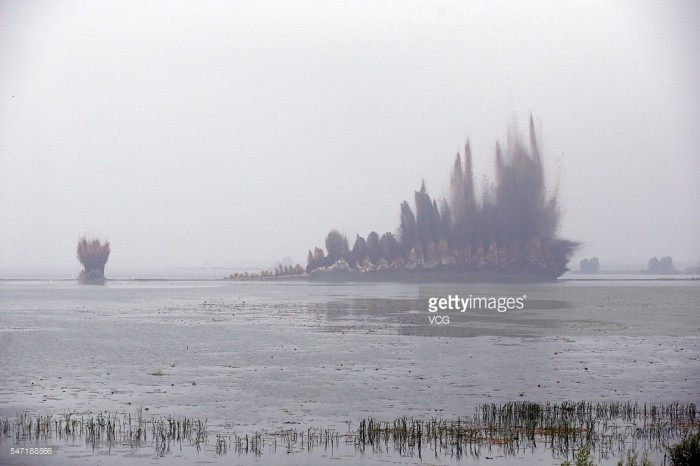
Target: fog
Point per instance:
(195, 134)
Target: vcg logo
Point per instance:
(434, 319)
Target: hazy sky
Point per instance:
(217, 133)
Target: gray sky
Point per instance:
(217, 133)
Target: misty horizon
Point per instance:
(237, 136)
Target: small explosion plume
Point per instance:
(93, 255)
(510, 231)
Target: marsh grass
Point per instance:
(631, 459)
(568, 430)
(107, 431)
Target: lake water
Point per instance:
(264, 356)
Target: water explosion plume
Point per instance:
(514, 226)
(93, 255)
(511, 231)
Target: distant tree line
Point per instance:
(512, 227)
(277, 272)
(661, 266)
(591, 265)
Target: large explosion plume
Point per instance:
(511, 230)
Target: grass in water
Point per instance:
(573, 432)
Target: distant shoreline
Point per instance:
(381, 274)
(306, 279)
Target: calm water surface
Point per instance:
(251, 356)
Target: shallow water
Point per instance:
(252, 356)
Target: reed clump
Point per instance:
(106, 430)
(687, 451)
